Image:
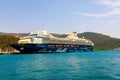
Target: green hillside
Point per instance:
(101, 41)
(5, 41)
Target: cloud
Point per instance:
(110, 3)
(115, 11)
(110, 23)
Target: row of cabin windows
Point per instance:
(58, 45)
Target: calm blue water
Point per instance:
(96, 65)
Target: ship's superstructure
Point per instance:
(46, 42)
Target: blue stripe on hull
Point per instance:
(42, 48)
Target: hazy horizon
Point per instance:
(60, 16)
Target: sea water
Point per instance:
(96, 65)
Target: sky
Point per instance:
(60, 16)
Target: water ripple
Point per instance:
(97, 65)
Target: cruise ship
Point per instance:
(44, 42)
